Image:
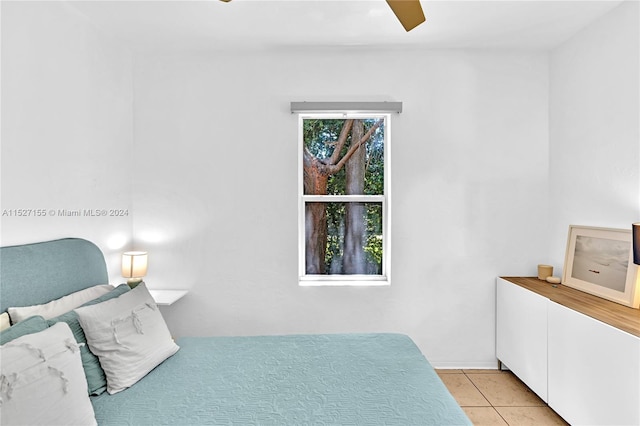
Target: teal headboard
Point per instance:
(37, 273)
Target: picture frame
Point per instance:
(599, 261)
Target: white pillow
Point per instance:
(128, 335)
(5, 322)
(59, 306)
(42, 381)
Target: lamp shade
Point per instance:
(134, 264)
(636, 243)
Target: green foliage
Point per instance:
(320, 137)
(335, 238)
(373, 247)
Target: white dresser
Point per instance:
(578, 352)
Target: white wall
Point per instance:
(595, 128)
(66, 127)
(215, 191)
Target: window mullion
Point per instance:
(343, 198)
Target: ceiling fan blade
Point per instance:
(409, 12)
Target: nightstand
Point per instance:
(167, 297)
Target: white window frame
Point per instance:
(385, 199)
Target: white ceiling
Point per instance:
(212, 24)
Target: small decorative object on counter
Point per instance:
(544, 271)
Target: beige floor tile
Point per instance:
(530, 416)
(484, 416)
(464, 391)
(505, 390)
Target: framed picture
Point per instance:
(600, 261)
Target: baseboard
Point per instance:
(463, 365)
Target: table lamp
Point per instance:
(134, 266)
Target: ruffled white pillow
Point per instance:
(42, 381)
(128, 335)
(59, 306)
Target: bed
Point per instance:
(322, 379)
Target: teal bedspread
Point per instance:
(341, 379)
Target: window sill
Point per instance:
(316, 282)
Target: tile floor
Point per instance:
(493, 397)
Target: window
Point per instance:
(344, 231)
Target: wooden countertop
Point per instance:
(614, 314)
